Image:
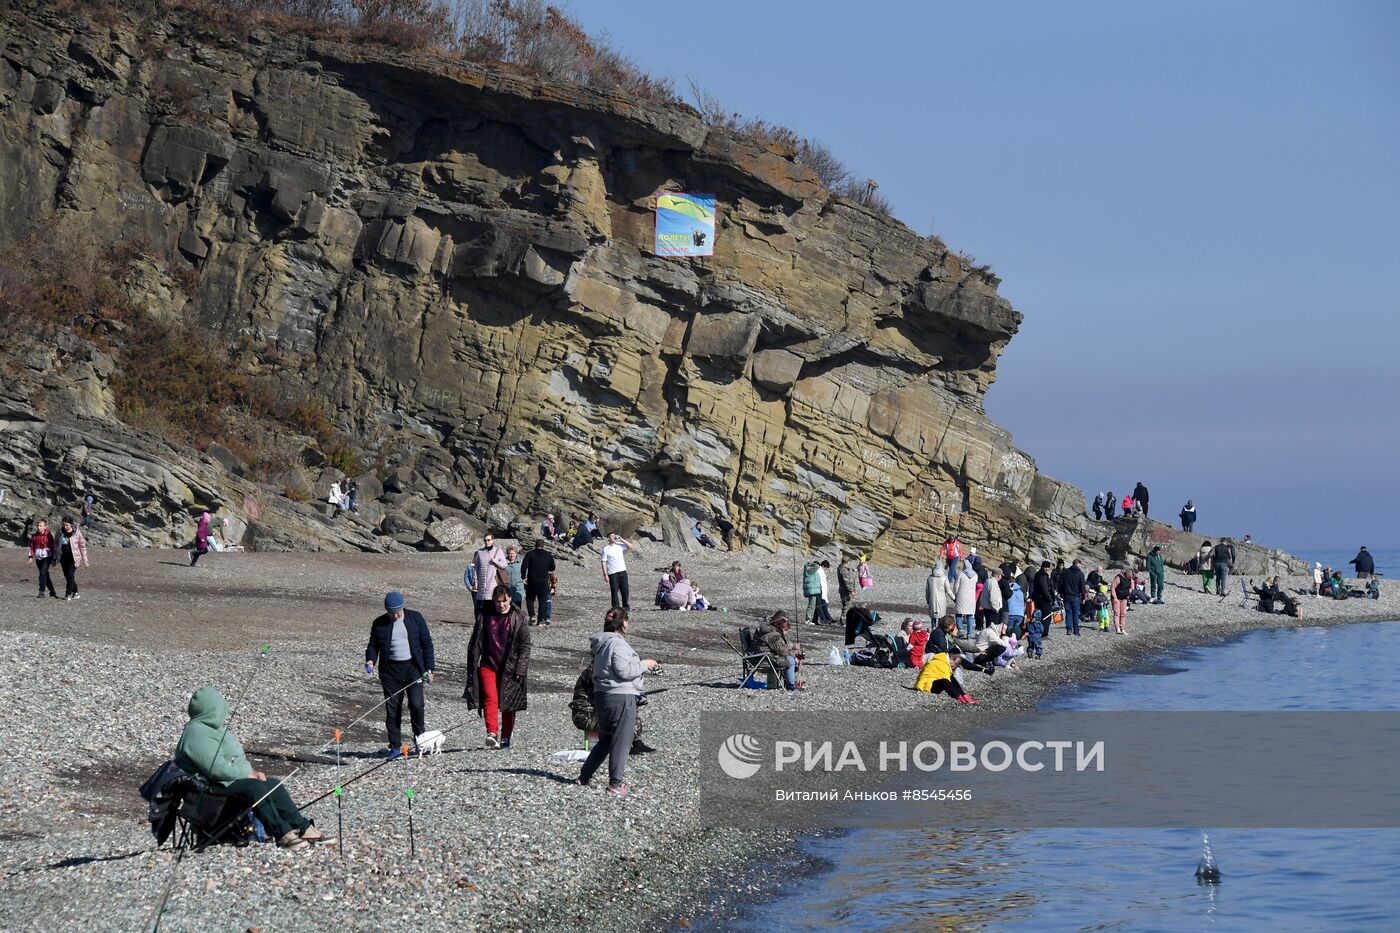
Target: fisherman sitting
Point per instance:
(208, 750)
(585, 717)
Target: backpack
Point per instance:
(1122, 589)
(811, 581)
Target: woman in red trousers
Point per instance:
(498, 659)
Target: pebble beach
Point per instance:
(95, 695)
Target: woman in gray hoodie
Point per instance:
(617, 683)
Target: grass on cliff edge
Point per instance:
(167, 381)
(528, 37)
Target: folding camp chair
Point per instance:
(753, 660)
(1247, 593)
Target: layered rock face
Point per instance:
(458, 263)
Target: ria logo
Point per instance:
(740, 756)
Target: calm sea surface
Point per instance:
(1008, 879)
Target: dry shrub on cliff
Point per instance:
(168, 380)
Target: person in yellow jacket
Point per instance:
(936, 676)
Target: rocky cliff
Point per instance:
(457, 263)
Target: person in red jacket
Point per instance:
(918, 641)
(42, 547)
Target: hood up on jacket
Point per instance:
(208, 707)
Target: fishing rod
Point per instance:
(180, 853)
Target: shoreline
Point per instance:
(505, 841)
(726, 903)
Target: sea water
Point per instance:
(1002, 878)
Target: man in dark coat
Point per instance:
(402, 648)
(1043, 593)
(1072, 591)
(1365, 563)
(498, 659)
(1140, 497)
(537, 571)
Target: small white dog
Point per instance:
(430, 742)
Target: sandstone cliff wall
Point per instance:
(457, 262)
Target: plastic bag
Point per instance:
(834, 657)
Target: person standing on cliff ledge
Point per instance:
(1098, 507)
(1140, 497)
(1188, 515)
(1110, 505)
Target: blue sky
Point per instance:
(1194, 205)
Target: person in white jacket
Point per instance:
(617, 683)
(937, 591)
(991, 644)
(990, 603)
(964, 597)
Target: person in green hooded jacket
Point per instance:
(209, 750)
(1157, 573)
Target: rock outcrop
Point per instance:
(457, 263)
(1134, 537)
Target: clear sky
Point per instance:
(1194, 205)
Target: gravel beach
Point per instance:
(95, 694)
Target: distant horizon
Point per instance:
(1193, 207)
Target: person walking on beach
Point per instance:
(538, 572)
(1140, 497)
(1110, 505)
(614, 563)
(401, 649)
(1365, 564)
(514, 578)
(490, 563)
(1203, 565)
(72, 551)
(1072, 592)
(952, 553)
(989, 601)
(1188, 516)
(201, 539)
(42, 546)
(965, 598)
(847, 583)
(1157, 574)
(1222, 561)
(1098, 507)
(617, 684)
(87, 510)
(498, 660)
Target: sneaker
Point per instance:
(582, 782)
(505, 743)
(68, 599)
(394, 753)
(311, 833)
(640, 748)
(292, 841)
(492, 741)
(618, 790)
(532, 621)
(77, 595)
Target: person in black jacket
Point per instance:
(1365, 564)
(1140, 497)
(402, 648)
(1072, 592)
(1043, 594)
(536, 570)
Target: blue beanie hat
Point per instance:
(394, 601)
